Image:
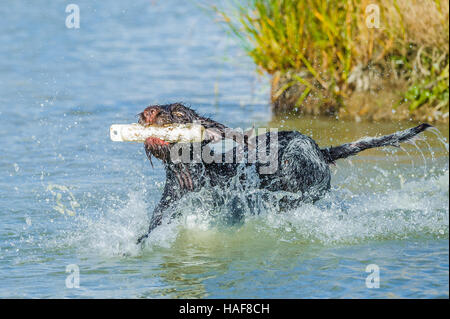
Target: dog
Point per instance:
(295, 164)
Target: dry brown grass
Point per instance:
(422, 22)
(406, 59)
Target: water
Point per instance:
(68, 195)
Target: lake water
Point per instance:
(70, 196)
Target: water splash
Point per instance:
(417, 208)
(112, 231)
(439, 136)
(413, 211)
(58, 191)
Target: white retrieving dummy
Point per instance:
(175, 133)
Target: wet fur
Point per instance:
(303, 167)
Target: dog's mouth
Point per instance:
(156, 116)
(156, 147)
(159, 116)
(154, 143)
(178, 114)
(172, 114)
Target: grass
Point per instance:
(331, 41)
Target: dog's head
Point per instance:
(177, 113)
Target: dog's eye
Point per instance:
(178, 114)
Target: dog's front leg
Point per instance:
(167, 199)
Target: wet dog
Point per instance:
(284, 161)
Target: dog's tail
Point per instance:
(333, 153)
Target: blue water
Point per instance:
(68, 195)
